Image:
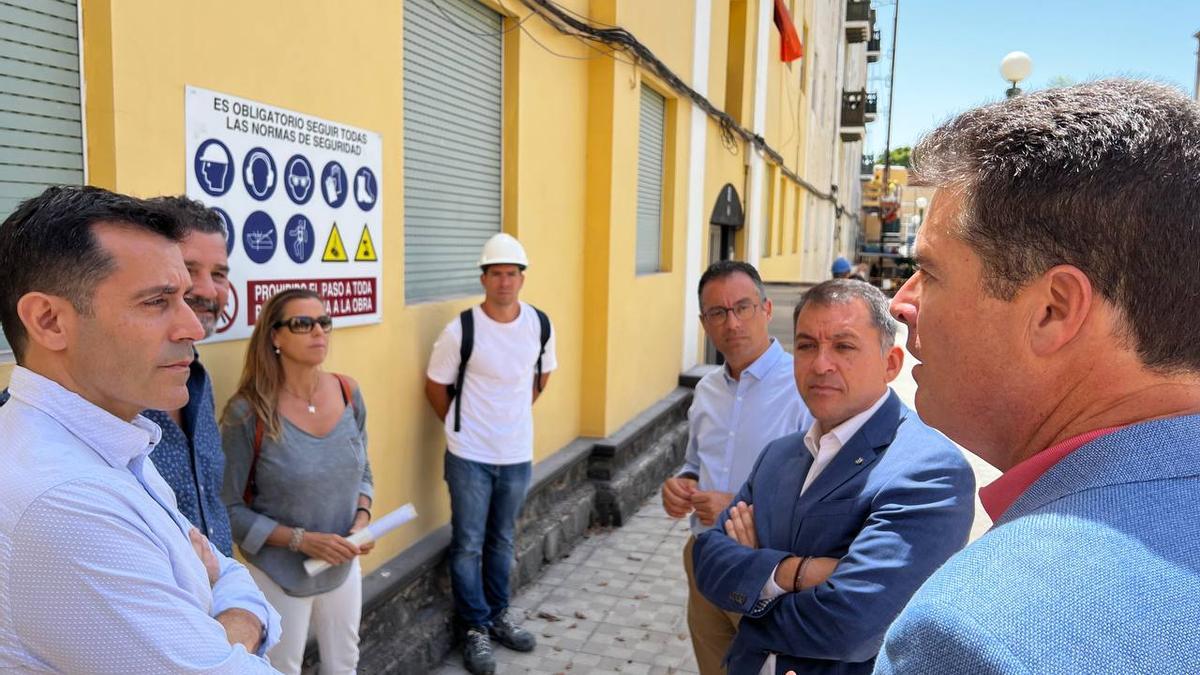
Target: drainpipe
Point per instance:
(696, 214)
(756, 210)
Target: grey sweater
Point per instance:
(302, 481)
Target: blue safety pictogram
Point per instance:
(214, 169)
(259, 237)
(258, 173)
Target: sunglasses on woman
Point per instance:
(304, 324)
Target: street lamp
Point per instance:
(1014, 67)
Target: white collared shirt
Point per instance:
(96, 570)
(731, 421)
(824, 447)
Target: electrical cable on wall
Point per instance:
(621, 39)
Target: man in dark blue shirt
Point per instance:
(189, 456)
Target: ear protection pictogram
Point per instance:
(259, 156)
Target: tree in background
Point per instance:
(899, 156)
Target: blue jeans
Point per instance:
(485, 500)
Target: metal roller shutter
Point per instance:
(452, 144)
(41, 129)
(651, 129)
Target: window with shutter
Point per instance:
(651, 142)
(41, 128)
(453, 85)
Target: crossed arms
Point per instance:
(93, 590)
(839, 611)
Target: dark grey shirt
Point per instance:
(302, 481)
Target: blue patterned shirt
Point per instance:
(97, 573)
(192, 462)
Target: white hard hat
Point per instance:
(214, 153)
(503, 249)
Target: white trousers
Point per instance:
(334, 616)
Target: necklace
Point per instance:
(312, 408)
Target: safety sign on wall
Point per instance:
(301, 201)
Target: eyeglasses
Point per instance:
(717, 316)
(304, 324)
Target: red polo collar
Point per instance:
(1001, 493)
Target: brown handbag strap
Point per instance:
(347, 393)
(259, 430)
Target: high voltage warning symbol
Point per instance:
(366, 247)
(335, 251)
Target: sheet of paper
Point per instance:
(377, 528)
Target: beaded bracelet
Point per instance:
(799, 573)
(297, 537)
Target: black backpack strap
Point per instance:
(467, 320)
(544, 323)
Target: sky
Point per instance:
(949, 51)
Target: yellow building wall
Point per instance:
(786, 122)
(738, 31)
(722, 165)
(633, 325)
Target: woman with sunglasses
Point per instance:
(297, 480)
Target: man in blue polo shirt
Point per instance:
(189, 456)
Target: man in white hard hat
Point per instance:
(488, 367)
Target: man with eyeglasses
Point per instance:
(736, 411)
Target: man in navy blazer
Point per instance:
(836, 528)
(1055, 316)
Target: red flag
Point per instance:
(790, 47)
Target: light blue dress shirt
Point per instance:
(97, 573)
(731, 421)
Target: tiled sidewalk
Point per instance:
(614, 605)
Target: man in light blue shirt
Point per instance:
(99, 571)
(735, 413)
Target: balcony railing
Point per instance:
(866, 169)
(854, 123)
(873, 46)
(858, 10)
(871, 107)
(858, 20)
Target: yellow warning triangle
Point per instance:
(335, 251)
(366, 247)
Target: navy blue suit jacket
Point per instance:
(893, 505)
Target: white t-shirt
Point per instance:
(497, 406)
